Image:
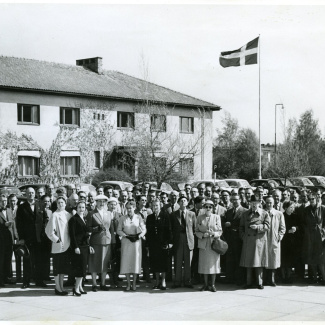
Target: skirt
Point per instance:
(158, 259)
(62, 262)
(99, 262)
(79, 262)
(209, 261)
(131, 256)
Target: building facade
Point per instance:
(60, 122)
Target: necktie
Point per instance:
(183, 219)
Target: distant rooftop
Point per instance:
(87, 78)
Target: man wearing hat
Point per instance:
(254, 224)
(225, 200)
(183, 227)
(230, 226)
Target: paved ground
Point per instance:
(295, 303)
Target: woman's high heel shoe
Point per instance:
(83, 292)
(74, 292)
(59, 293)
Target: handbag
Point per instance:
(219, 246)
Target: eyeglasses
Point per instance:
(209, 207)
(312, 198)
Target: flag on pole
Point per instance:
(244, 56)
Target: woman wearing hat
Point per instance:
(79, 243)
(57, 231)
(131, 228)
(208, 227)
(102, 237)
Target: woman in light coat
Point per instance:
(208, 227)
(57, 231)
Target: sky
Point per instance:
(181, 45)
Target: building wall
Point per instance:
(49, 127)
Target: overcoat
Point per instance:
(58, 228)
(274, 237)
(313, 228)
(95, 222)
(254, 249)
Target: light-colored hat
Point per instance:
(208, 202)
(112, 199)
(101, 197)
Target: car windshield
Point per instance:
(318, 180)
(306, 181)
(232, 183)
(244, 183)
(222, 184)
(166, 187)
(286, 182)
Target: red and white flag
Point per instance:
(244, 56)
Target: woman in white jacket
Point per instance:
(58, 232)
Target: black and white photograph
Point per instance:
(162, 161)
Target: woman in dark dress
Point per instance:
(289, 242)
(79, 243)
(159, 237)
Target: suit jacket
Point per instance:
(6, 233)
(12, 217)
(79, 232)
(233, 217)
(190, 220)
(203, 225)
(95, 222)
(41, 219)
(57, 228)
(168, 207)
(26, 221)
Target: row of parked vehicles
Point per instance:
(297, 183)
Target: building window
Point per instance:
(97, 159)
(28, 114)
(125, 120)
(28, 166)
(158, 122)
(69, 116)
(70, 166)
(186, 166)
(186, 124)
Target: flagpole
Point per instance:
(259, 106)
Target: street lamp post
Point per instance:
(275, 133)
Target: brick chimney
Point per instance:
(93, 64)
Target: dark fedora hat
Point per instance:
(21, 250)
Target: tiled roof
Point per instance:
(63, 78)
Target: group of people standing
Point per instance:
(136, 230)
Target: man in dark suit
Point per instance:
(199, 202)
(230, 226)
(6, 241)
(27, 232)
(173, 205)
(225, 200)
(183, 227)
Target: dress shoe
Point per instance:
(213, 289)
(94, 288)
(25, 285)
(204, 288)
(74, 292)
(189, 285)
(104, 288)
(155, 287)
(41, 284)
(260, 286)
(162, 287)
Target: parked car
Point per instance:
(267, 184)
(286, 183)
(24, 187)
(210, 182)
(11, 189)
(165, 187)
(117, 185)
(303, 182)
(238, 183)
(318, 181)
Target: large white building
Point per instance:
(57, 121)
